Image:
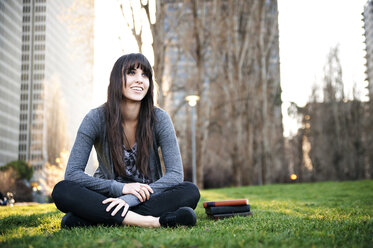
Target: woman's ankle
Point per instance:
(149, 221)
(156, 222)
(134, 219)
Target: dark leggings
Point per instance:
(84, 207)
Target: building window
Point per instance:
(24, 106)
(26, 9)
(24, 86)
(24, 77)
(37, 126)
(37, 117)
(40, 28)
(37, 106)
(24, 97)
(38, 167)
(26, 29)
(39, 67)
(38, 86)
(25, 37)
(22, 157)
(37, 157)
(40, 47)
(40, 9)
(38, 76)
(39, 19)
(26, 1)
(40, 1)
(40, 37)
(38, 97)
(25, 57)
(22, 137)
(23, 127)
(39, 56)
(22, 147)
(26, 19)
(25, 67)
(25, 48)
(23, 117)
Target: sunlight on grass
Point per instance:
(326, 214)
(211, 195)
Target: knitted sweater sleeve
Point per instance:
(166, 138)
(88, 132)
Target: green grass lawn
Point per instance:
(330, 214)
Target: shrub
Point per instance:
(23, 169)
(14, 178)
(7, 180)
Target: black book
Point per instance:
(227, 209)
(222, 216)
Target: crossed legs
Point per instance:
(84, 207)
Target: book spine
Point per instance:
(227, 209)
(226, 203)
(222, 216)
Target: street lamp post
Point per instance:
(192, 101)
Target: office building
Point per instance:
(10, 67)
(368, 26)
(56, 86)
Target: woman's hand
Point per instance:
(116, 202)
(140, 190)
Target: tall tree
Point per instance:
(334, 130)
(252, 88)
(234, 46)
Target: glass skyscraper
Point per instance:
(10, 67)
(368, 26)
(55, 89)
(46, 78)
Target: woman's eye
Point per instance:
(131, 73)
(144, 75)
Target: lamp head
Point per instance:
(192, 100)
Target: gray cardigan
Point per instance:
(92, 132)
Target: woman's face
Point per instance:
(137, 85)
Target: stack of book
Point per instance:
(228, 208)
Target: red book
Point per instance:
(235, 202)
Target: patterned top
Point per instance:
(132, 173)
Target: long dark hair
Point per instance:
(114, 118)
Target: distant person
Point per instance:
(128, 187)
(3, 200)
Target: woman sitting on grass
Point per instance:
(128, 188)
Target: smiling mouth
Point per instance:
(137, 89)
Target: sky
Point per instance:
(110, 44)
(113, 38)
(308, 29)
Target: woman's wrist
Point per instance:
(124, 190)
(116, 188)
(140, 190)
